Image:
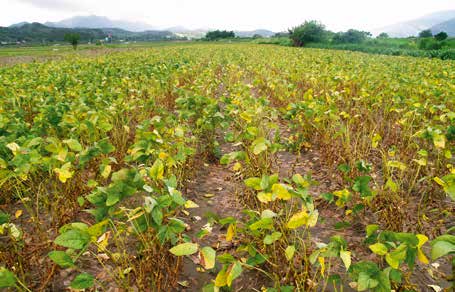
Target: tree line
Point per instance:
(316, 32)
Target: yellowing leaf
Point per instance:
(396, 164)
(230, 232)
(157, 169)
(379, 248)
(281, 192)
(237, 166)
(18, 213)
(421, 161)
(289, 252)
(422, 239)
(346, 258)
(183, 249)
(62, 154)
(421, 256)
(375, 140)
(233, 272)
(313, 219)
(207, 257)
(106, 171)
(259, 146)
(64, 173)
(162, 155)
(13, 147)
(322, 263)
(221, 278)
(265, 197)
(191, 205)
(298, 220)
(439, 141)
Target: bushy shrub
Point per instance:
(429, 44)
(309, 32)
(441, 36)
(351, 36)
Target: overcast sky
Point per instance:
(228, 14)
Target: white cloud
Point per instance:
(55, 5)
(233, 14)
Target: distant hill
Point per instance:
(93, 21)
(190, 33)
(447, 26)
(413, 27)
(261, 32)
(37, 32)
(19, 24)
(199, 33)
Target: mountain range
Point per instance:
(436, 22)
(102, 22)
(93, 21)
(39, 33)
(93, 27)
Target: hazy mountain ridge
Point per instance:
(251, 33)
(93, 21)
(102, 22)
(447, 26)
(413, 27)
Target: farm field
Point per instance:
(227, 167)
(11, 55)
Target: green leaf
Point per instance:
(264, 223)
(361, 185)
(7, 278)
(208, 256)
(365, 282)
(113, 197)
(442, 246)
(372, 228)
(105, 146)
(4, 217)
(395, 257)
(345, 168)
(183, 249)
(253, 182)
(74, 238)
(73, 144)
(82, 281)
(61, 258)
(269, 239)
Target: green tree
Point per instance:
(351, 36)
(73, 39)
(383, 35)
(441, 36)
(425, 34)
(309, 32)
(218, 34)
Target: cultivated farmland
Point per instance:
(227, 166)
